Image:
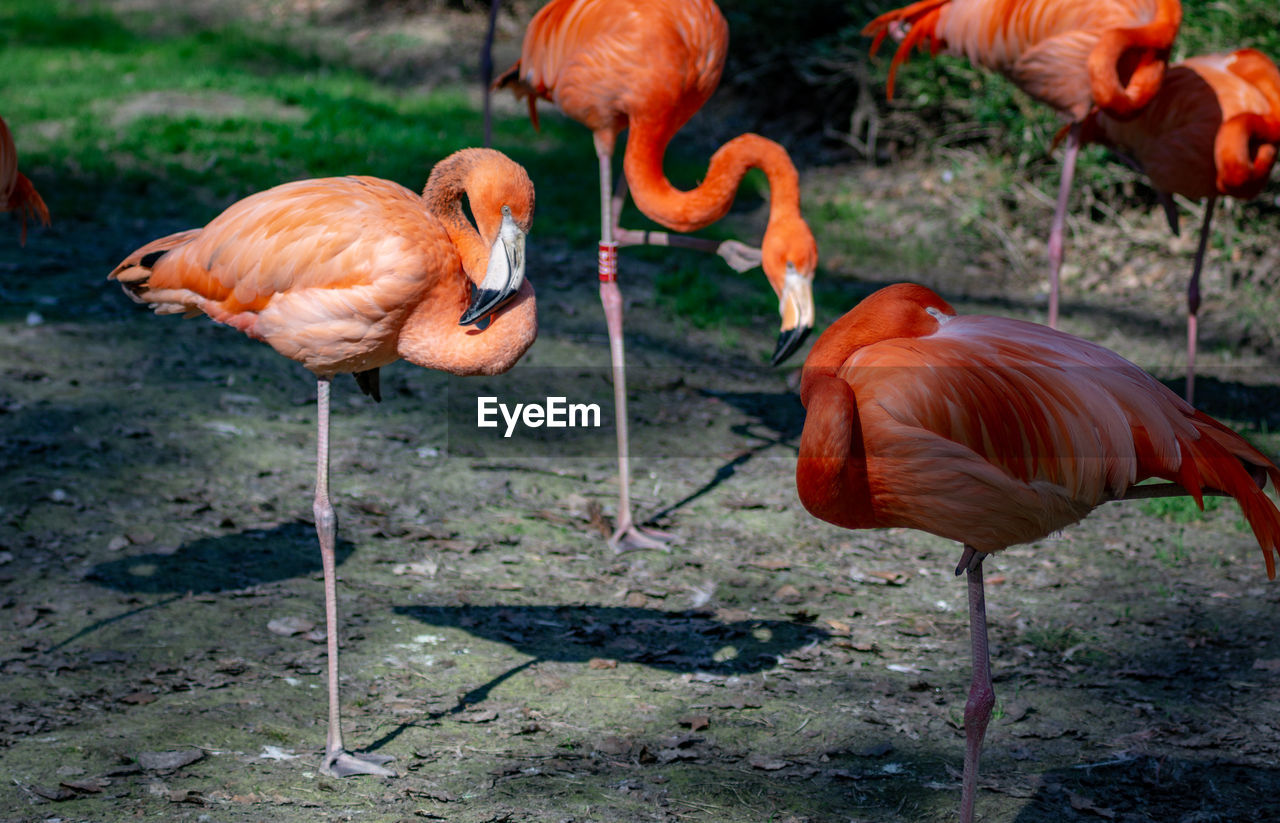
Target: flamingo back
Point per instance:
(326, 271)
(602, 60)
(1212, 129)
(1043, 46)
(993, 432)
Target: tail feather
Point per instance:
(1222, 460)
(922, 17)
(134, 272)
(510, 79)
(28, 203)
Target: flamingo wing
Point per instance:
(324, 270)
(1007, 431)
(602, 60)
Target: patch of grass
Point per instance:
(1178, 509)
(1054, 639)
(181, 123)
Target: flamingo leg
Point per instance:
(1058, 229)
(1193, 299)
(486, 71)
(627, 535)
(982, 696)
(337, 761)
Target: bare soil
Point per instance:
(160, 586)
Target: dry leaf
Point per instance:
(695, 722)
(602, 663)
(482, 716)
(139, 698)
(766, 763)
(168, 761)
(289, 626)
(788, 594)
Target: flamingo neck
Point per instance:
(431, 336)
(831, 472)
(1142, 51)
(897, 311)
(685, 211)
(443, 198)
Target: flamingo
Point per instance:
(1212, 130)
(16, 192)
(346, 275)
(994, 432)
(649, 66)
(1073, 55)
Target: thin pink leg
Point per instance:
(982, 696)
(337, 761)
(1193, 299)
(1058, 229)
(627, 535)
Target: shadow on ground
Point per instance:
(214, 564)
(686, 641)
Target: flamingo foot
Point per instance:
(629, 537)
(340, 763)
(739, 256)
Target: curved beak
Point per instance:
(504, 276)
(796, 307)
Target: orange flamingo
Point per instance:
(349, 274)
(1073, 55)
(649, 66)
(1213, 129)
(16, 192)
(995, 432)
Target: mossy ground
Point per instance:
(155, 497)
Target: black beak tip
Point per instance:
(483, 301)
(788, 342)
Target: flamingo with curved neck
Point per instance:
(1212, 130)
(650, 66)
(346, 275)
(1073, 55)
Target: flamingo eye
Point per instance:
(506, 211)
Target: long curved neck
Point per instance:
(443, 198)
(431, 335)
(697, 208)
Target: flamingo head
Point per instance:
(789, 256)
(501, 197)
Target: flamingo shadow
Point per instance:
(688, 641)
(228, 562)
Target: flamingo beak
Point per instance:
(796, 307)
(504, 276)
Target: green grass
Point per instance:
(181, 123)
(117, 117)
(1178, 509)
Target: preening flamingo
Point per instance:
(994, 432)
(1213, 129)
(349, 274)
(1073, 55)
(648, 66)
(16, 192)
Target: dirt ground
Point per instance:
(160, 586)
